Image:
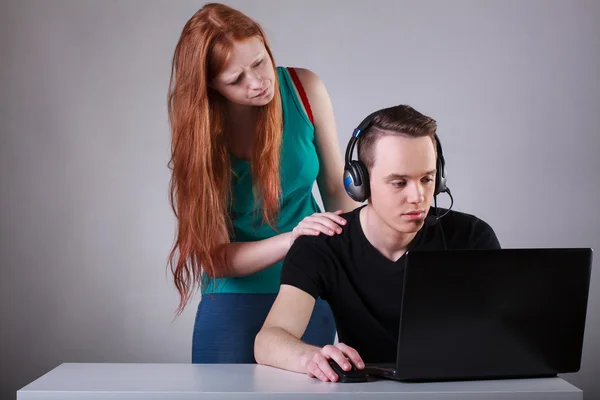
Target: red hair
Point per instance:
(200, 190)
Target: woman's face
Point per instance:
(248, 77)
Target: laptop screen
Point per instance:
(489, 313)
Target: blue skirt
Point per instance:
(227, 323)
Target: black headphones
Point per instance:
(356, 176)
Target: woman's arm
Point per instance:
(331, 171)
(247, 258)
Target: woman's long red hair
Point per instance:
(200, 190)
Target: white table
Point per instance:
(240, 381)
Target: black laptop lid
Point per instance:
(469, 314)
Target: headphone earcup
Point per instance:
(356, 181)
(440, 177)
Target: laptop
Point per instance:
(491, 314)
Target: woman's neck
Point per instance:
(240, 128)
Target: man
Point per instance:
(358, 271)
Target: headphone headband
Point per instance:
(364, 124)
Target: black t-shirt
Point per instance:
(358, 281)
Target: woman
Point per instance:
(248, 142)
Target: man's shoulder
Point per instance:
(460, 216)
(460, 220)
(468, 231)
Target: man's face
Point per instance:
(402, 181)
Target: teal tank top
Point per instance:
(298, 172)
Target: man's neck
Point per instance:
(391, 243)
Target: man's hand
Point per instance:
(318, 366)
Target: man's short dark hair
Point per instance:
(401, 120)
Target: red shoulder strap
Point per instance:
(302, 93)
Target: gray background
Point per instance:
(86, 225)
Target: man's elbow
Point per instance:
(260, 350)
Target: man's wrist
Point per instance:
(307, 356)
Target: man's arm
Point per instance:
(278, 343)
